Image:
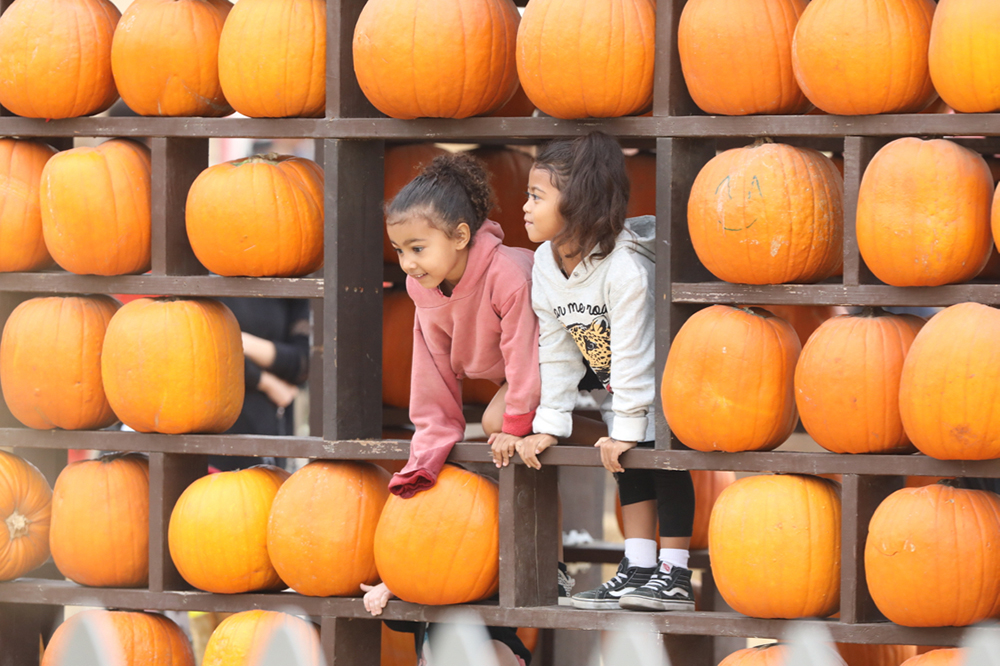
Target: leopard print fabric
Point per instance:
(594, 341)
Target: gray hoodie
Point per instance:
(602, 312)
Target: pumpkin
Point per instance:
(442, 59)
(174, 365)
(590, 59)
(858, 57)
(455, 521)
(518, 106)
(736, 57)
(100, 521)
(919, 481)
(857, 654)
(768, 214)
(508, 170)
(55, 57)
(50, 362)
(22, 247)
(218, 531)
(847, 382)
(805, 319)
(641, 169)
(398, 648)
(914, 531)
(25, 509)
(769, 654)
(165, 57)
(258, 217)
(241, 639)
(321, 530)
(964, 54)
(138, 639)
(950, 385)
(774, 544)
(727, 384)
(939, 657)
(403, 163)
(923, 213)
(272, 58)
(96, 208)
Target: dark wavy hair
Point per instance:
(452, 189)
(589, 172)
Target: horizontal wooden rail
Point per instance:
(195, 285)
(833, 294)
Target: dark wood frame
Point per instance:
(346, 396)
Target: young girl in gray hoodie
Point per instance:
(592, 292)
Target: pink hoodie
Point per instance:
(485, 330)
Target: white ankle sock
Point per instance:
(675, 557)
(641, 552)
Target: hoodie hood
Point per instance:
(639, 236)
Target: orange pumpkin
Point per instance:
(950, 385)
(768, 214)
(912, 533)
(258, 217)
(402, 164)
(455, 521)
(769, 654)
(920, 481)
(22, 247)
(641, 169)
(774, 543)
(847, 382)
(805, 319)
(174, 365)
(518, 106)
(50, 362)
(736, 57)
(964, 54)
(398, 312)
(100, 521)
(939, 657)
(727, 384)
(415, 59)
(321, 531)
(165, 57)
(218, 531)
(138, 639)
(857, 654)
(508, 169)
(570, 67)
(924, 213)
(272, 58)
(241, 639)
(96, 207)
(858, 57)
(55, 57)
(398, 648)
(25, 509)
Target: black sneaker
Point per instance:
(565, 585)
(607, 595)
(663, 592)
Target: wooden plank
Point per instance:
(670, 93)
(861, 496)
(835, 294)
(352, 309)
(58, 282)
(344, 98)
(529, 536)
(858, 152)
(351, 641)
(316, 370)
(21, 627)
(678, 162)
(176, 163)
(169, 475)
(689, 650)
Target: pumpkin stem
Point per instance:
(264, 158)
(873, 311)
(760, 141)
(17, 525)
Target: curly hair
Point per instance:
(453, 189)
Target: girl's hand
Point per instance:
(376, 597)
(531, 446)
(611, 449)
(503, 447)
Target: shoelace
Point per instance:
(565, 580)
(618, 579)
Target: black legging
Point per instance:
(673, 491)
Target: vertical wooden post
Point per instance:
(678, 162)
(351, 641)
(344, 98)
(21, 627)
(176, 163)
(169, 475)
(861, 496)
(858, 152)
(529, 535)
(670, 93)
(352, 303)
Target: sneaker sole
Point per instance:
(645, 603)
(594, 604)
(565, 601)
